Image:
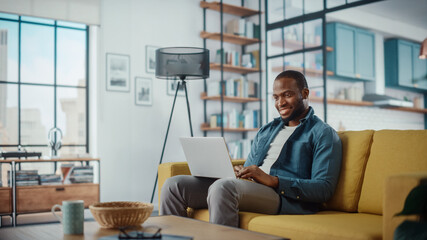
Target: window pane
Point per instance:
(293, 37)
(37, 63)
(36, 114)
(8, 51)
(9, 16)
(71, 114)
(275, 11)
(72, 152)
(311, 6)
(71, 57)
(334, 3)
(313, 33)
(294, 62)
(275, 66)
(8, 114)
(71, 24)
(37, 20)
(275, 42)
(293, 8)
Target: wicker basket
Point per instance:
(121, 214)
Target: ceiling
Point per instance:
(412, 12)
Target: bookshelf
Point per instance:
(16, 200)
(233, 101)
(366, 104)
(233, 69)
(230, 38)
(204, 96)
(229, 9)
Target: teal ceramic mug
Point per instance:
(72, 216)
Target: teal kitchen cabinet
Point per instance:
(403, 69)
(353, 54)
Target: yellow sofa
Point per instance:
(379, 169)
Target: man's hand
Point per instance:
(237, 169)
(255, 173)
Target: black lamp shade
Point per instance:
(183, 62)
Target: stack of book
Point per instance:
(80, 174)
(247, 119)
(242, 27)
(234, 87)
(50, 179)
(25, 178)
(235, 58)
(239, 149)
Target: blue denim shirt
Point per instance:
(308, 166)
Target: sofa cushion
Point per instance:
(355, 146)
(244, 217)
(323, 225)
(392, 152)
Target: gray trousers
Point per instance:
(223, 197)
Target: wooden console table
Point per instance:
(16, 200)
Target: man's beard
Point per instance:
(296, 113)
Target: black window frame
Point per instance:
(55, 86)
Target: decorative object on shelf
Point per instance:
(121, 214)
(143, 91)
(55, 141)
(172, 84)
(118, 72)
(186, 63)
(423, 50)
(150, 58)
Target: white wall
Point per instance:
(130, 137)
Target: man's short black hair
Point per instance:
(299, 78)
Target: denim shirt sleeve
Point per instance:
(326, 165)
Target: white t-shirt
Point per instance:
(276, 147)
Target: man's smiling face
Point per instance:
(289, 100)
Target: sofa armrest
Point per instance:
(170, 169)
(397, 188)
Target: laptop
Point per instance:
(207, 157)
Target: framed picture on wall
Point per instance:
(143, 91)
(150, 59)
(118, 72)
(172, 84)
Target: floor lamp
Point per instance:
(186, 63)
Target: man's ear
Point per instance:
(305, 93)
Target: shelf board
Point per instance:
(341, 102)
(55, 186)
(308, 71)
(234, 69)
(205, 127)
(227, 37)
(230, 9)
(229, 129)
(409, 109)
(367, 104)
(203, 96)
(55, 160)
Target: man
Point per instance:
(293, 166)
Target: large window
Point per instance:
(295, 40)
(43, 84)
